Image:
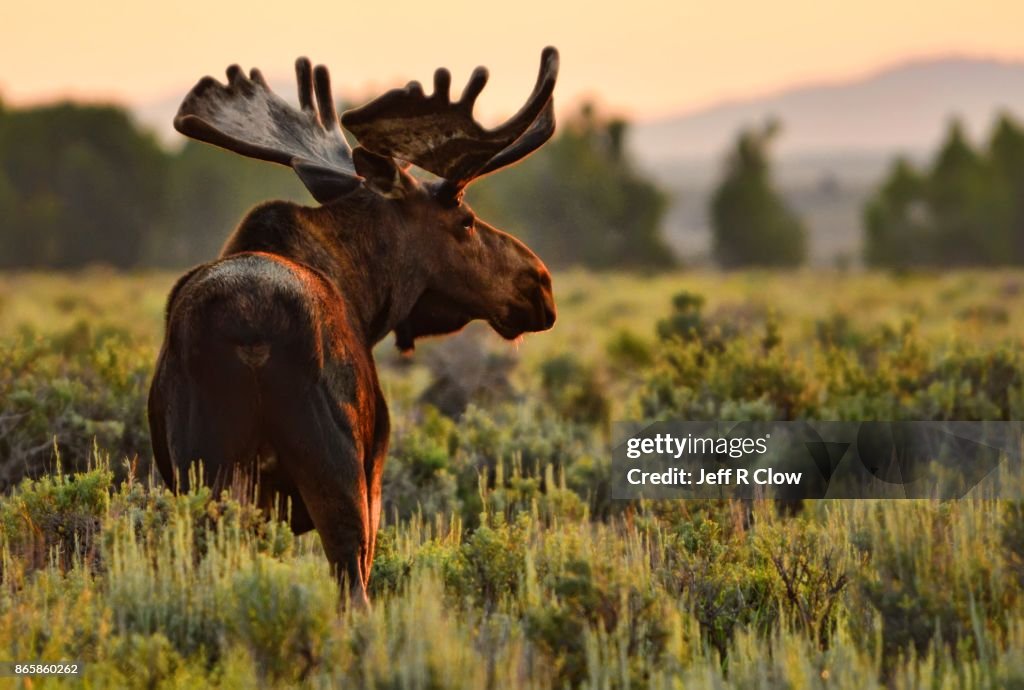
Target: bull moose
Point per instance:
(267, 364)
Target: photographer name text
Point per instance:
(722, 476)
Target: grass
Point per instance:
(503, 564)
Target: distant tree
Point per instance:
(581, 200)
(83, 184)
(964, 216)
(896, 220)
(78, 184)
(965, 209)
(1006, 150)
(751, 223)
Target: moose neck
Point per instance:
(362, 246)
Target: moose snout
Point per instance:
(549, 314)
(546, 300)
(533, 307)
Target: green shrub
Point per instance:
(422, 471)
(925, 596)
(82, 386)
(490, 564)
(574, 391)
(58, 515)
(686, 321)
(628, 352)
(283, 615)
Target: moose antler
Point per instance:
(442, 137)
(246, 117)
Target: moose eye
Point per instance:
(468, 222)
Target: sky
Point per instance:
(640, 58)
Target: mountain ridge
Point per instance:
(901, 108)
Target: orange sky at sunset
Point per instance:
(643, 58)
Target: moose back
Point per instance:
(266, 369)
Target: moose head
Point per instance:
(267, 366)
(470, 270)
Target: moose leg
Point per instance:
(183, 434)
(374, 467)
(209, 416)
(318, 452)
(158, 431)
(279, 496)
(373, 510)
(218, 431)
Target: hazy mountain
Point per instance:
(901, 108)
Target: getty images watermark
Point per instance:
(796, 460)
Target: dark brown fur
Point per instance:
(267, 363)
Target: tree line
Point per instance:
(83, 184)
(963, 208)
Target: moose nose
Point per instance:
(549, 313)
(547, 300)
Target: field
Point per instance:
(503, 562)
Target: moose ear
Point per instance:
(325, 184)
(380, 173)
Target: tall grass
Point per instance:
(148, 589)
